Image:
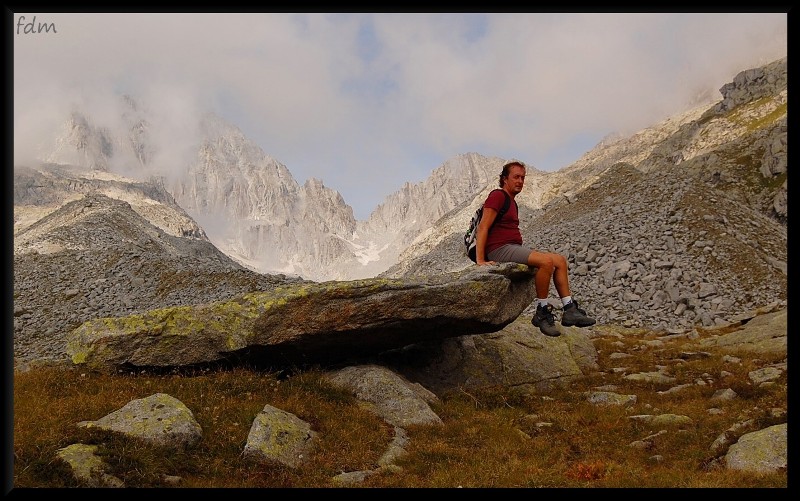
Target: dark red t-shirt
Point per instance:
(506, 230)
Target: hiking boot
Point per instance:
(545, 321)
(573, 315)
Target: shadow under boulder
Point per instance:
(517, 357)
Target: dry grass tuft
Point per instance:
(492, 437)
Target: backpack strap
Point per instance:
(505, 207)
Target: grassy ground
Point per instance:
(494, 437)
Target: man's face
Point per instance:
(515, 179)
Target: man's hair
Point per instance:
(507, 170)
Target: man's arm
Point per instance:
(487, 219)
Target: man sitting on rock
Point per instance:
(502, 242)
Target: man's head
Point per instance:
(513, 177)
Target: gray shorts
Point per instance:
(510, 253)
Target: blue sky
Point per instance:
(367, 102)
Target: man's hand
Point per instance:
(484, 263)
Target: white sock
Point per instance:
(542, 302)
(566, 300)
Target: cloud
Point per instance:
(367, 102)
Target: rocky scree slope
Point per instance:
(681, 224)
(41, 190)
(97, 257)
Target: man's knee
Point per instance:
(540, 260)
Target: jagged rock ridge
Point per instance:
(254, 210)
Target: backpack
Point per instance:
(471, 236)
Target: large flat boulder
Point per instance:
(766, 334)
(310, 323)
